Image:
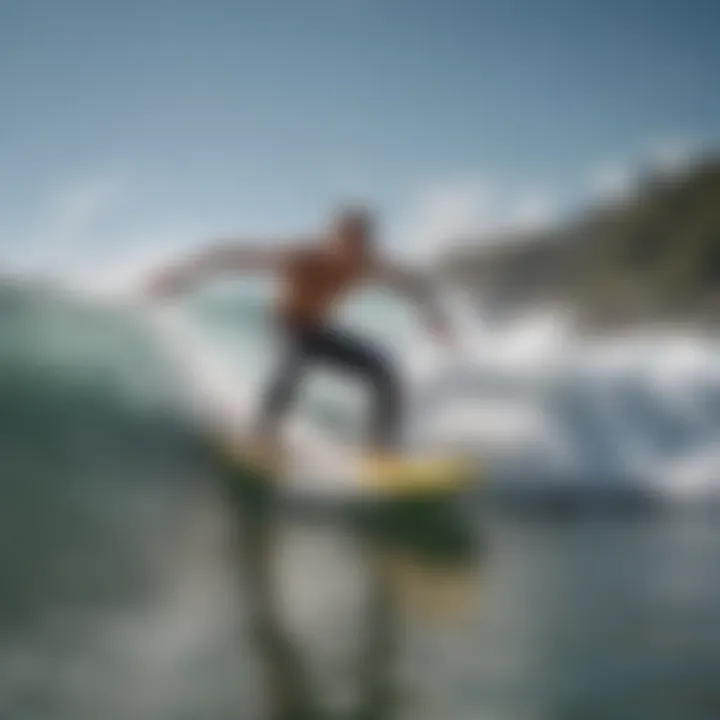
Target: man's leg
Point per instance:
(281, 392)
(347, 352)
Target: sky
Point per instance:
(148, 126)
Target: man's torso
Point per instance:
(314, 281)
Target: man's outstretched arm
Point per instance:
(420, 290)
(219, 259)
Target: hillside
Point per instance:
(654, 256)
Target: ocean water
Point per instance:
(141, 578)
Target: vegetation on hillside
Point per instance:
(653, 256)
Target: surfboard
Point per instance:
(407, 475)
(355, 475)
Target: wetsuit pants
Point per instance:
(308, 347)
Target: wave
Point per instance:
(539, 406)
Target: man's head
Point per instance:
(353, 229)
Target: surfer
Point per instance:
(315, 274)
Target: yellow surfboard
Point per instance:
(415, 476)
(358, 474)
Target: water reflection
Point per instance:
(416, 558)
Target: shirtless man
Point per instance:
(314, 276)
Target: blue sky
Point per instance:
(140, 125)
